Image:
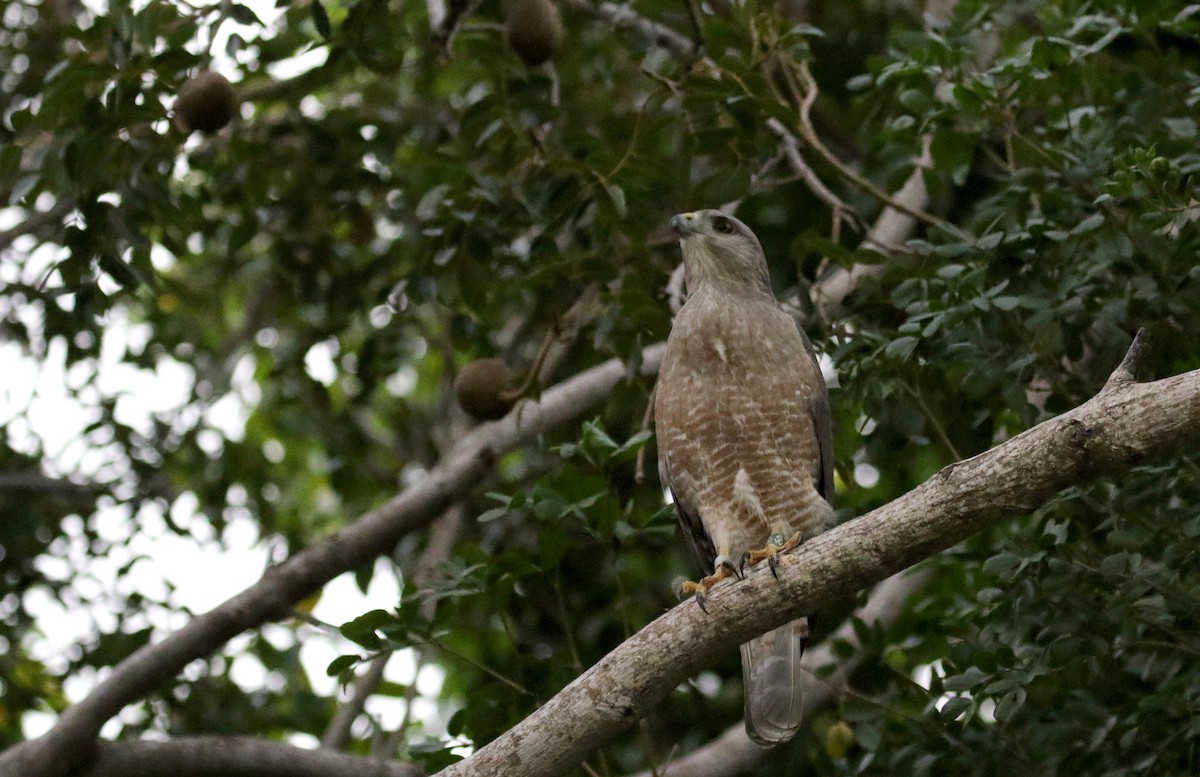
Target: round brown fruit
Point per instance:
(206, 102)
(534, 30)
(480, 388)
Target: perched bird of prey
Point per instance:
(744, 441)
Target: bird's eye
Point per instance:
(723, 225)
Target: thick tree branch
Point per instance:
(233, 757)
(71, 741)
(1127, 424)
(734, 753)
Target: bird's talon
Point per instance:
(681, 587)
(773, 563)
(742, 565)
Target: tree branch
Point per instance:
(233, 757)
(791, 150)
(71, 741)
(1127, 424)
(35, 221)
(366, 682)
(809, 133)
(625, 18)
(37, 483)
(891, 228)
(734, 753)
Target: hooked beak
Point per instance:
(685, 224)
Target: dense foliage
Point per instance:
(322, 268)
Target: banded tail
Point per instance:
(772, 678)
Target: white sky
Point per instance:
(197, 572)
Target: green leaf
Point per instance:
(1089, 224)
(868, 737)
(320, 19)
(243, 15)
(616, 196)
(965, 681)
(900, 348)
(1010, 704)
(362, 629)
(959, 705)
(989, 241)
(342, 664)
(1002, 564)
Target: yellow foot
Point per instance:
(775, 545)
(723, 568)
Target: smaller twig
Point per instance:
(809, 92)
(557, 341)
(587, 768)
(566, 621)
(667, 83)
(37, 483)
(1126, 371)
(531, 375)
(434, 642)
(410, 693)
(997, 160)
(697, 24)
(34, 222)
(758, 182)
(337, 733)
(791, 150)
(457, 10)
(1155, 644)
(639, 471)
(313, 621)
(937, 426)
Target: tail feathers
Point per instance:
(771, 675)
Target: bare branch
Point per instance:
(891, 228)
(1126, 372)
(35, 221)
(1122, 427)
(337, 733)
(809, 133)
(37, 483)
(68, 743)
(233, 757)
(791, 149)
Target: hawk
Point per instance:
(744, 441)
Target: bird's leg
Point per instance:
(776, 544)
(722, 568)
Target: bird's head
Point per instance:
(722, 252)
